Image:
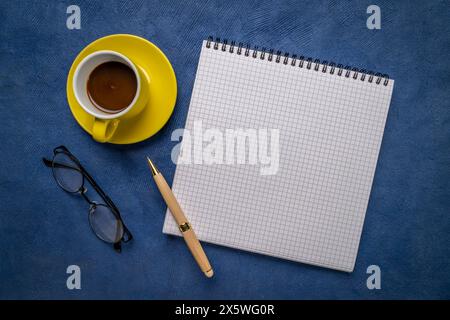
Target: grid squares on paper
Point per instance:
(312, 210)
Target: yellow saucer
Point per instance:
(163, 87)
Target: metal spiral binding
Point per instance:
(309, 63)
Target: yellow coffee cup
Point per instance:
(106, 122)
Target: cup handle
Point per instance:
(103, 130)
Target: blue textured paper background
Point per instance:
(43, 229)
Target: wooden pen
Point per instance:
(183, 224)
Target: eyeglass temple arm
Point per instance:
(49, 163)
(98, 189)
(129, 235)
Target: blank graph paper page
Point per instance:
(321, 132)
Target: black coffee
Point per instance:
(112, 86)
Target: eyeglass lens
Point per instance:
(67, 173)
(105, 224)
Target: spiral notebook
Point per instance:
(330, 121)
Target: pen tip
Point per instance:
(152, 167)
